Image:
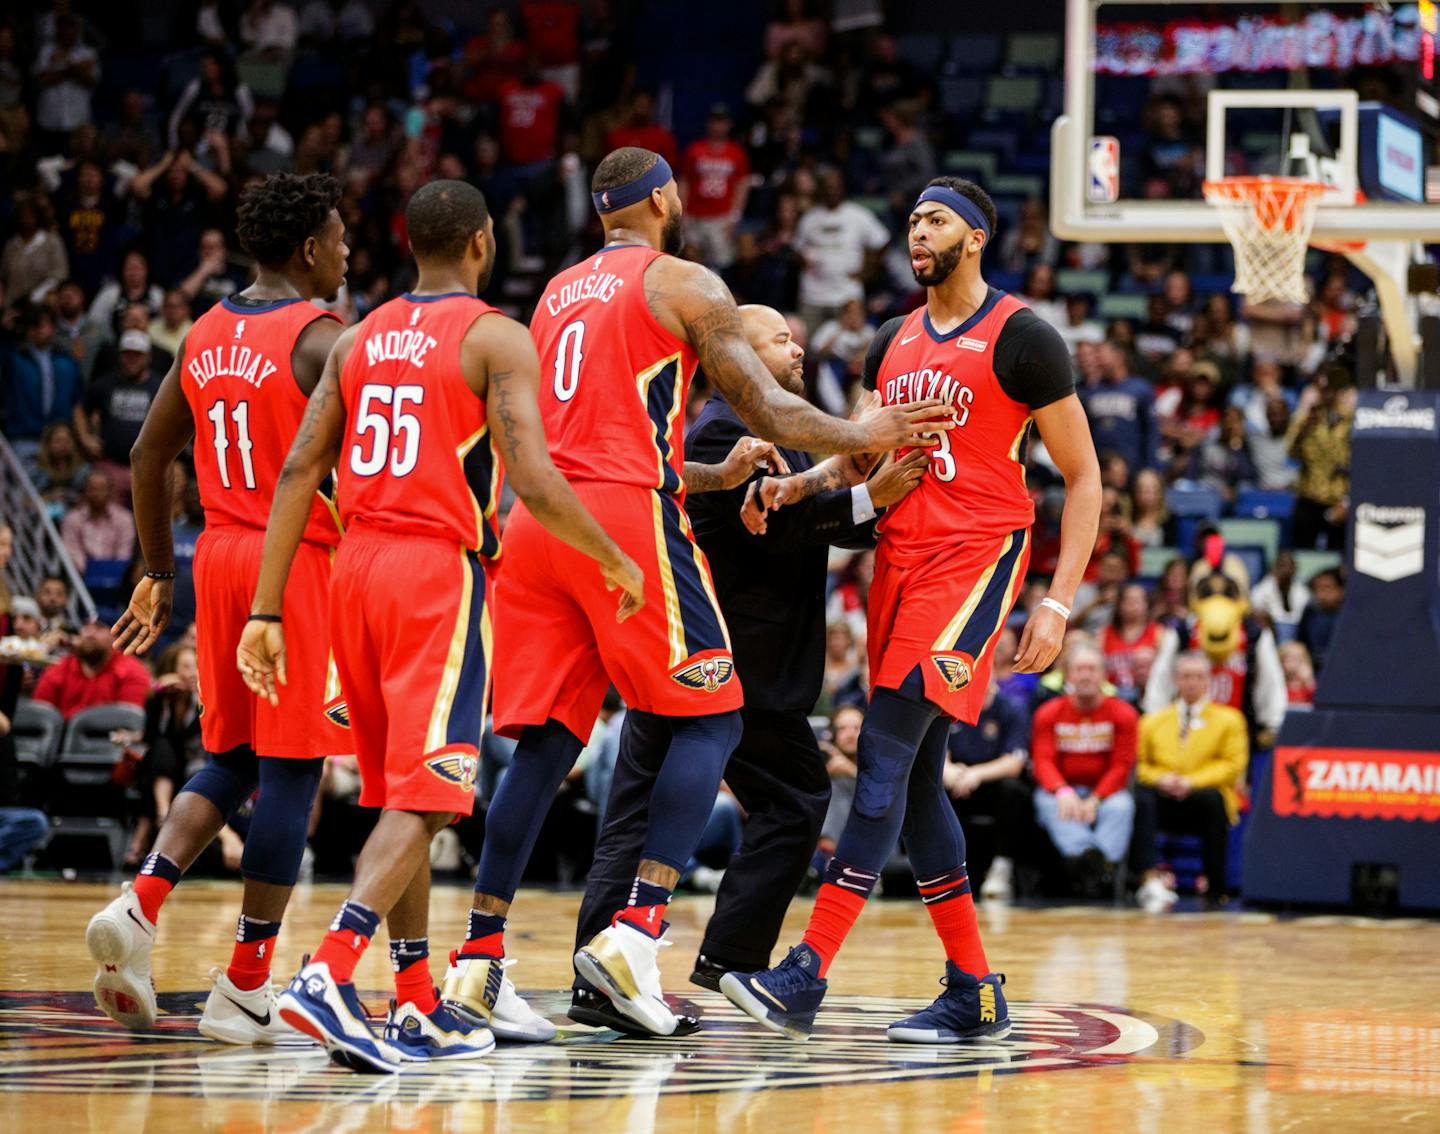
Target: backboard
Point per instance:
(1160, 96)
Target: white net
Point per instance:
(1268, 222)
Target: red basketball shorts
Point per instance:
(558, 646)
(943, 615)
(227, 567)
(412, 643)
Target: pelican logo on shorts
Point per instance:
(456, 768)
(339, 713)
(955, 670)
(708, 675)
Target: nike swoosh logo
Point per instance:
(760, 988)
(131, 915)
(261, 1021)
(912, 338)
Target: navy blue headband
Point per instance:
(969, 211)
(608, 200)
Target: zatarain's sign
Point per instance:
(1396, 413)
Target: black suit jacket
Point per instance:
(771, 587)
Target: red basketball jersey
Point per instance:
(416, 456)
(613, 381)
(241, 388)
(975, 486)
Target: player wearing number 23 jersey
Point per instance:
(417, 482)
(237, 378)
(953, 553)
(613, 384)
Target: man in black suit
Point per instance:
(771, 589)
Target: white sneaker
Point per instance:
(1154, 896)
(233, 1015)
(479, 991)
(621, 961)
(119, 938)
(999, 883)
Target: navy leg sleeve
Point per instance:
(227, 779)
(542, 759)
(933, 837)
(687, 784)
(894, 729)
(275, 842)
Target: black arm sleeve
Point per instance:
(1032, 361)
(875, 353)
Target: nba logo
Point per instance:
(1103, 184)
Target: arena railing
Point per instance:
(39, 550)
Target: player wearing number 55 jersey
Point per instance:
(238, 388)
(416, 409)
(951, 558)
(619, 337)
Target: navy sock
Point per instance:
(353, 917)
(405, 951)
(544, 756)
(685, 789)
(646, 908)
(486, 937)
(158, 866)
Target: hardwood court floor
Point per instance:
(1123, 1022)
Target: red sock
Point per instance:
(153, 884)
(646, 908)
(953, 911)
(486, 937)
(341, 949)
(250, 964)
(842, 896)
(414, 985)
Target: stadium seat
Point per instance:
(1310, 563)
(1078, 281)
(90, 804)
(1153, 560)
(1264, 534)
(961, 95)
(976, 53)
(1033, 52)
(923, 52)
(1021, 92)
(1195, 500)
(1122, 306)
(1020, 184)
(37, 728)
(104, 578)
(999, 139)
(1258, 504)
(980, 162)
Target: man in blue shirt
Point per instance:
(42, 382)
(985, 779)
(1121, 409)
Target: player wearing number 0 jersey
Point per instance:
(619, 337)
(238, 388)
(951, 558)
(414, 410)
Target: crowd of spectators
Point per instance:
(119, 198)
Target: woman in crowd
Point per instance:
(1150, 519)
(58, 468)
(1299, 674)
(171, 742)
(1129, 642)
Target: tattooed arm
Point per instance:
(747, 455)
(500, 365)
(692, 303)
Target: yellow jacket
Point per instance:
(1213, 755)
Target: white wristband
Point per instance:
(1058, 607)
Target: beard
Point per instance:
(93, 654)
(793, 380)
(672, 237)
(941, 265)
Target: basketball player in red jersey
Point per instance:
(619, 336)
(238, 388)
(951, 559)
(413, 408)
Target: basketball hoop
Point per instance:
(1268, 222)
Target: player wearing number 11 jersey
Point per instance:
(238, 388)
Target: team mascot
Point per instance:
(1244, 660)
